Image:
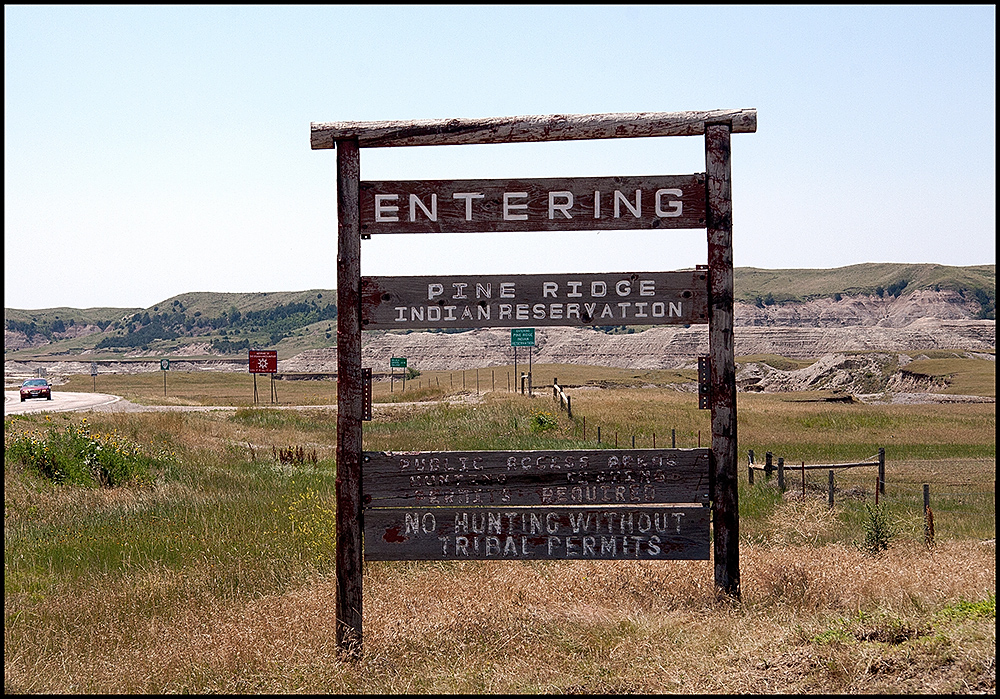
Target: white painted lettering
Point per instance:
(508, 206)
(564, 207)
(468, 196)
(384, 212)
(677, 206)
(549, 289)
(621, 199)
(429, 213)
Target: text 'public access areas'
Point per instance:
(552, 204)
(576, 477)
(492, 301)
(611, 533)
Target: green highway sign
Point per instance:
(397, 362)
(522, 337)
(164, 364)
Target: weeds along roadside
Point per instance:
(222, 524)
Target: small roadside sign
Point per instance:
(522, 337)
(93, 368)
(164, 364)
(397, 362)
(263, 361)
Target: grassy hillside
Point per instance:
(293, 321)
(896, 279)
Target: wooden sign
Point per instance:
(485, 301)
(550, 204)
(550, 478)
(597, 533)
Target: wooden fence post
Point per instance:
(928, 517)
(768, 465)
(830, 492)
(781, 473)
(881, 470)
(750, 467)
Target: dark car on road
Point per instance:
(36, 388)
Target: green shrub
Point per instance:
(543, 421)
(75, 455)
(879, 531)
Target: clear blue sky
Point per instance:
(151, 151)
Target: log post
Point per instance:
(781, 473)
(349, 401)
(722, 369)
(829, 497)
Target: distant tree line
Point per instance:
(31, 328)
(277, 323)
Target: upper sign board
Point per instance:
(551, 204)
(516, 300)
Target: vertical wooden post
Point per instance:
(349, 400)
(768, 465)
(829, 495)
(881, 470)
(750, 467)
(781, 473)
(673, 438)
(725, 499)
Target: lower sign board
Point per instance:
(599, 533)
(602, 504)
(513, 301)
(549, 478)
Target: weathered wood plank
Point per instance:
(350, 403)
(521, 129)
(501, 301)
(602, 533)
(722, 365)
(553, 478)
(545, 204)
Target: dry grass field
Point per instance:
(211, 572)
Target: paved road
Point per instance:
(61, 402)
